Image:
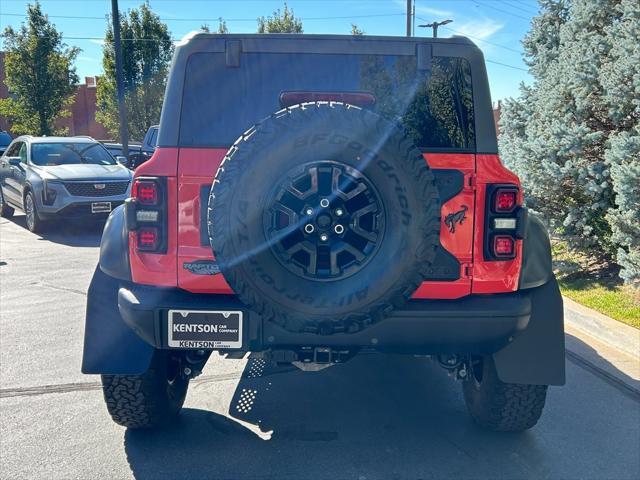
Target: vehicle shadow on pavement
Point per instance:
(373, 417)
(70, 233)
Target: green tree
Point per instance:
(574, 135)
(222, 26)
(146, 52)
(39, 73)
(355, 30)
(280, 22)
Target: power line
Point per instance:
(506, 65)
(78, 17)
(476, 38)
(501, 10)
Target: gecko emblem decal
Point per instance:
(456, 217)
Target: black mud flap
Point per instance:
(110, 346)
(536, 356)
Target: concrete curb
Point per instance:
(603, 328)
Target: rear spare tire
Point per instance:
(324, 217)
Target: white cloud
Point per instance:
(432, 11)
(96, 41)
(478, 29)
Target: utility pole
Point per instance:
(408, 18)
(435, 26)
(122, 109)
(413, 20)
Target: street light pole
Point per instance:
(122, 109)
(435, 26)
(408, 18)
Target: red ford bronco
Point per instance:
(364, 208)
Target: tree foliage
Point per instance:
(280, 22)
(39, 73)
(574, 135)
(355, 30)
(146, 54)
(222, 26)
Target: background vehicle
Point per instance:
(365, 209)
(60, 177)
(5, 140)
(138, 153)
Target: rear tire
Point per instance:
(5, 210)
(499, 406)
(149, 400)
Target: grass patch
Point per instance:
(595, 286)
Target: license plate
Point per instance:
(100, 207)
(205, 329)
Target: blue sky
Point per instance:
(497, 26)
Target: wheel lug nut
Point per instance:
(339, 212)
(339, 229)
(324, 203)
(309, 228)
(309, 211)
(324, 237)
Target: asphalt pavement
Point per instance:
(375, 417)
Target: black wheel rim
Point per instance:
(324, 221)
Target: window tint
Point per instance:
(153, 140)
(70, 154)
(23, 153)
(435, 105)
(14, 150)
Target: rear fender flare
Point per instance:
(114, 246)
(536, 269)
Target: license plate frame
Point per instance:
(101, 207)
(221, 329)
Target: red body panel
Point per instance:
(460, 243)
(153, 268)
(196, 168)
(493, 276)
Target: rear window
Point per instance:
(220, 103)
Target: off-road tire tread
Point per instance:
(504, 407)
(140, 401)
(374, 312)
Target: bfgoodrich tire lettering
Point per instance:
(149, 400)
(354, 140)
(499, 406)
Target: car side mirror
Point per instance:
(122, 160)
(15, 161)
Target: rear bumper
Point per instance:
(475, 324)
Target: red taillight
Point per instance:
(359, 99)
(145, 191)
(504, 246)
(505, 200)
(148, 239)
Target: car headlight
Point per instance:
(49, 194)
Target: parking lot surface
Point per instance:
(375, 417)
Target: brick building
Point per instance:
(497, 110)
(82, 120)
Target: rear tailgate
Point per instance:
(196, 169)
